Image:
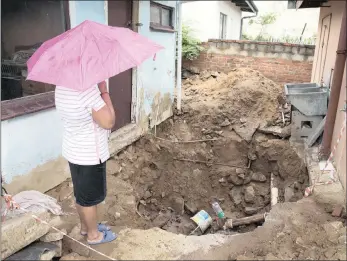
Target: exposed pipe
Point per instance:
(246, 17)
(335, 88)
(179, 56)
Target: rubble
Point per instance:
(19, 232)
(249, 194)
(53, 235)
(282, 132)
(178, 204)
(258, 177)
(74, 246)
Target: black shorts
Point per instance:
(89, 183)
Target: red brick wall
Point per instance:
(282, 63)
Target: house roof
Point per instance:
(300, 4)
(246, 5)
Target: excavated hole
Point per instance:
(169, 192)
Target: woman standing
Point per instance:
(87, 118)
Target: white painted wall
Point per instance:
(29, 141)
(203, 17)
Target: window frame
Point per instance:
(223, 26)
(37, 102)
(160, 26)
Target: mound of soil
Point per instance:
(242, 94)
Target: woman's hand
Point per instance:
(102, 87)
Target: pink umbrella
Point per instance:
(88, 54)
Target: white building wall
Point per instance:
(203, 18)
(234, 15)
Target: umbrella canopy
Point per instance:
(88, 54)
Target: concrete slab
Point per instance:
(247, 130)
(276, 130)
(124, 137)
(21, 231)
(316, 133)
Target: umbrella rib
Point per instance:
(130, 57)
(81, 55)
(97, 46)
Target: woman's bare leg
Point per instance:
(88, 216)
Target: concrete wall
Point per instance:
(322, 66)
(283, 63)
(31, 144)
(28, 142)
(156, 78)
(340, 154)
(203, 17)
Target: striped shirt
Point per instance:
(84, 141)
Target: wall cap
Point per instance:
(310, 46)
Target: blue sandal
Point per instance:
(101, 228)
(108, 237)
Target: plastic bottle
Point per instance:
(218, 210)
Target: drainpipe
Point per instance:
(335, 88)
(246, 17)
(179, 56)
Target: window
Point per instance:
(25, 25)
(161, 17)
(222, 26)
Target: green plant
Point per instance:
(263, 20)
(247, 37)
(191, 47)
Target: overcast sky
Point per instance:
(289, 21)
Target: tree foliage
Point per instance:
(191, 47)
(264, 19)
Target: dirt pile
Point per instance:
(242, 95)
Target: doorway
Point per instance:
(120, 15)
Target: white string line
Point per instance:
(56, 229)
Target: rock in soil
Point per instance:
(190, 208)
(177, 203)
(251, 210)
(234, 179)
(147, 195)
(236, 195)
(288, 194)
(161, 219)
(249, 194)
(259, 177)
